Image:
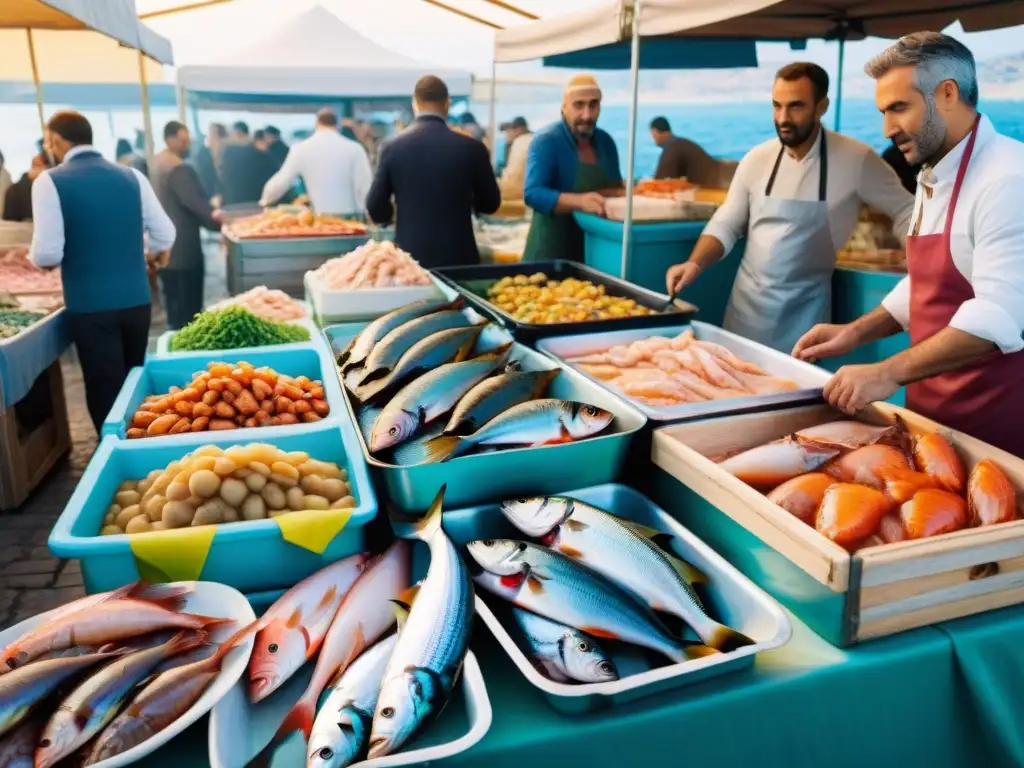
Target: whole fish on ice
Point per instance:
(562, 653)
(495, 395)
(389, 350)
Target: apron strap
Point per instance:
(822, 169)
(960, 174)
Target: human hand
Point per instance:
(218, 216)
(681, 276)
(854, 387)
(591, 202)
(824, 340)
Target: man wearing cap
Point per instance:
(571, 166)
(517, 144)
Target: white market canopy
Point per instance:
(316, 54)
(610, 22)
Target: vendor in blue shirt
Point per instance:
(572, 166)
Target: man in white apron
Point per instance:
(796, 199)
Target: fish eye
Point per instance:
(387, 712)
(393, 431)
(605, 667)
(272, 647)
(521, 501)
(44, 743)
(488, 542)
(326, 753)
(583, 646)
(590, 410)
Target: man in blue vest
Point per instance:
(91, 216)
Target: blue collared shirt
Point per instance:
(553, 162)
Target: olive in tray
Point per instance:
(228, 397)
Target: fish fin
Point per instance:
(697, 651)
(150, 592)
(598, 632)
(442, 448)
(431, 522)
(467, 349)
(174, 602)
(640, 529)
(359, 644)
(300, 718)
(408, 596)
(535, 584)
(572, 552)
(494, 354)
(724, 639)
(329, 597)
(184, 641)
(543, 382)
(689, 573)
(576, 525)
(401, 613)
(295, 619)
(239, 637)
(370, 376)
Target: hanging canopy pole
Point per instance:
(147, 119)
(627, 224)
(492, 128)
(39, 89)
(839, 84)
(182, 106)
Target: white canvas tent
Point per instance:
(315, 54)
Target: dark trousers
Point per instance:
(183, 295)
(109, 345)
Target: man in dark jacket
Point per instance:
(276, 148)
(438, 178)
(244, 169)
(18, 200)
(181, 194)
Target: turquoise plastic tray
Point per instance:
(157, 376)
(487, 477)
(163, 342)
(250, 556)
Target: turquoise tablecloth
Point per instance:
(893, 702)
(25, 356)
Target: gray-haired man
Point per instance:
(963, 300)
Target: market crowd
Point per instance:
(949, 182)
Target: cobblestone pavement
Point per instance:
(32, 580)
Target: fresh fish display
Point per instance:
(453, 345)
(990, 495)
(389, 350)
(161, 702)
(18, 746)
(432, 643)
(365, 615)
(495, 395)
(562, 589)
(25, 688)
(429, 397)
(292, 630)
(361, 346)
(850, 435)
(850, 513)
(140, 590)
(623, 552)
(868, 465)
(935, 456)
(538, 422)
(96, 702)
(107, 622)
(562, 653)
(901, 483)
(931, 512)
(341, 732)
(802, 495)
(770, 465)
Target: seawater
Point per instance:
(726, 130)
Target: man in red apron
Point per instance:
(963, 300)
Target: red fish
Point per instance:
(931, 512)
(850, 513)
(901, 484)
(891, 528)
(866, 465)
(768, 466)
(802, 495)
(934, 455)
(991, 497)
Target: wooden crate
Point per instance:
(27, 455)
(879, 590)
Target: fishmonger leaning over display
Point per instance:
(796, 199)
(963, 299)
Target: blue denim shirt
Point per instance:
(553, 160)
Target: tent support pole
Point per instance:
(39, 87)
(492, 128)
(627, 224)
(182, 106)
(839, 84)
(147, 118)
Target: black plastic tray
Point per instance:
(462, 279)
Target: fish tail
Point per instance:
(691, 652)
(186, 640)
(431, 522)
(207, 623)
(236, 639)
(300, 718)
(442, 448)
(150, 592)
(543, 382)
(724, 639)
(174, 602)
(466, 349)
